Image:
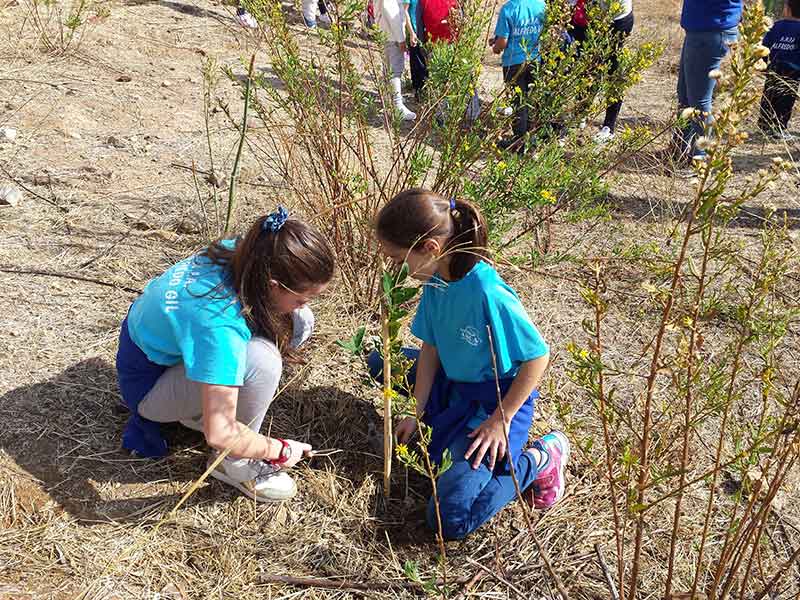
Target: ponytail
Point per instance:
(468, 244)
(416, 215)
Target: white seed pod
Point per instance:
(715, 74)
(761, 51)
(760, 65)
(688, 113)
(702, 143)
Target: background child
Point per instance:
(621, 28)
(392, 16)
(417, 59)
(780, 86)
(438, 27)
(202, 345)
(444, 243)
(519, 26)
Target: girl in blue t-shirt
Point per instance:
(204, 345)
(464, 302)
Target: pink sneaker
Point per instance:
(549, 485)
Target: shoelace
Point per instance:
(264, 469)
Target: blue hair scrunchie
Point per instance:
(452, 203)
(275, 220)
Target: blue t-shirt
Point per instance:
(710, 15)
(520, 22)
(190, 314)
(783, 41)
(452, 316)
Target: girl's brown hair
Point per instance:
(296, 256)
(416, 215)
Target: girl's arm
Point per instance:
(427, 365)
(223, 431)
(491, 434)
(412, 37)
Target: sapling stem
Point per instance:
(526, 511)
(387, 400)
(235, 171)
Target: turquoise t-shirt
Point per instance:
(412, 13)
(453, 317)
(520, 22)
(190, 314)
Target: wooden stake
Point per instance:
(387, 404)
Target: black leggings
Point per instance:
(780, 91)
(621, 29)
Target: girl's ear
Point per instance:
(432, 246)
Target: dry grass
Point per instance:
(78, 516)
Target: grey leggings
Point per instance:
(176, 398)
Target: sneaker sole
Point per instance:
(251, 493)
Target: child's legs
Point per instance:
(310, 11)
(703, 52)
(419, 67)
(622, 28)
(783, 93)
(519, 76)
(768, 119)
(177, 398)
(395, 59)
(469, 497)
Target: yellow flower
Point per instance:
(548, 196)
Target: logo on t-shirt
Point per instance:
(470, 335)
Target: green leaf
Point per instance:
(355, 345)
(411, 570)
(402, 275)
(387, 282)
(401, 295)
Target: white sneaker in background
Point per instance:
(603, 136)
(245, 19)
(406, 114)
(258, 479)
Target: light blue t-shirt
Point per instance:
(520, 22)
(190, 314)
(453, 316)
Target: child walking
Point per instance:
(392, 18)
(783, 75)
(204, 346)
(463, 303)
(621, 28)
(516, 36)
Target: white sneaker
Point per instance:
(603, 136)
(406, 114)
(257, 479)
(245, 19)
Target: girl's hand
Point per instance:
(405, 429)
(490, 436)
(299, 450)
(413, 41)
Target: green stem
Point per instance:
(234, 173)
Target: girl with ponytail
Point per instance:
(204, 345)
(464, 301)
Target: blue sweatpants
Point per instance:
(467, 497)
